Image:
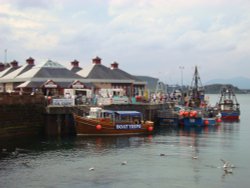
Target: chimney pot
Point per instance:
(97, 60)
(75, 63)
(114, 65)
(30, 61)
(14, 63)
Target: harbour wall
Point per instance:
(21, 115)
(24, 115)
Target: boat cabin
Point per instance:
(229, 105)
(128, 116)
(134, 117)
(228, 101)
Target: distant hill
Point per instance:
(216, 88)
(240, 82)
(210, 89)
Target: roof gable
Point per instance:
(18, 71)
(8, 71)
(100, 71)
(49, 70)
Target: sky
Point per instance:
(160, 38)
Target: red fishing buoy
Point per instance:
(150, 128)
(191, 114)
(206, 122)
(181, 113)
(186, 113)
(98, 127)
(218, 120)
(194, 113)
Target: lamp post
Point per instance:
(5, 56)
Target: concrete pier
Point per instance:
(22, 115)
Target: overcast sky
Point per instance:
(146, 37)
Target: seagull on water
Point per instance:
(91, 168)
(227, 164)
(194, 157)
(228, 170)
(124, 163)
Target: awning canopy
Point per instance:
(128, 113)
(51, 84)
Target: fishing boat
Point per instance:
(189, 112)
(228, 104)
(191, 117)
(199, 117)
(192, 114)
(196, 111)
(211, 116)
(108, 122)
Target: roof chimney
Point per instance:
(114, 65)
(2, 67)
(75, 63)
(30, 61)
(97, 60)
(14, 63)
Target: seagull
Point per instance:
(227, 164)
(91, 168)
(194, 157)
(228, 170)
(124, 163)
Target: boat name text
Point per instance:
(128, 126)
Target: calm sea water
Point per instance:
(161, 160)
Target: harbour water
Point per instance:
(172, 157)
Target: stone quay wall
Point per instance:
(21, 115)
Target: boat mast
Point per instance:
(196, 90)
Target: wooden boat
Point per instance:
(228, 105)
(107, 122)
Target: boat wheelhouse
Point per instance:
(228, 104)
